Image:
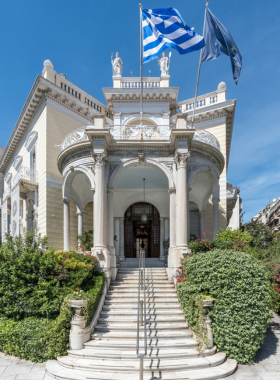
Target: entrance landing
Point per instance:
(149, 263)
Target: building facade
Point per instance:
(270, 215)
(74, 164)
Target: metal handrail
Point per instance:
(141, 313)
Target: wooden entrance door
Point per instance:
(139, 234)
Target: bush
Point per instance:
(35, 281)
(85, 241)
(41, 339)
(35, 287)
(242, 293)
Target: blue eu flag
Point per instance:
(218, 40)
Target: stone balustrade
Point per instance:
(150, 132)
(25, 173)
(135, 83)
(78, 135)
(206, 137)
(70, 90)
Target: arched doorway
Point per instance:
(141, 230)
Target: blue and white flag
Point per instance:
(165, 27)
(218, 40)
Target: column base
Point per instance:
(175, 255)
(103, 255)
(113, 263)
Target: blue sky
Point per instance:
(79, 36)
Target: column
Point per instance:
(80, 222)
(121, 239)
(66, 208)
(182, 201)
(36, 203)
(172, 213)
(215, 201)
(98, 205)
(189, 214)
(117, 233)
(110, 221)
(162, 227)
(215, 216)
(202, 224)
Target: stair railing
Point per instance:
(141, 313)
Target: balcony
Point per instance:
(150, 132)
(25, 173)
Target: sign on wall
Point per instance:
(4, 216)
(15, 212)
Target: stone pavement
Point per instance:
(267, 366)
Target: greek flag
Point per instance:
(165, 27)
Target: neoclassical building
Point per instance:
(74, 164)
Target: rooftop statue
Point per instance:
(117, 65)
(164, 65)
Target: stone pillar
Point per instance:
(110, 231)
(172, 213)
(162, 256)
(189, 215)
(182, 202)
(202, 224)
(117, 242)
(215, 201)
(66, 209)
(80, 222)
(172, 234)
(215, 216)
(121, 239)
(100, 215)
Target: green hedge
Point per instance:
(41, 339)
(35, 286)
(242, 293)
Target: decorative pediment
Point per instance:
(31, 139)
(8, 178)
(17, 162)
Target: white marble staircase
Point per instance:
(111, 352)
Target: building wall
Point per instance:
(39, 125)
(60, 122)
(88, 217)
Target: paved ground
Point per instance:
(267, 366)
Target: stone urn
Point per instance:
(207, 321)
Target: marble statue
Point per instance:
(117, 65)
(164, 65)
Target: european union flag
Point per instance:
(218, 40)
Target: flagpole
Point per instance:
(199, 67)
(141, 72)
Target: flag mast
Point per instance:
(141, 71)
(199, 66)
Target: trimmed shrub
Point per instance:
(242, 294)
(35, 281)
(36, 284)
(41, 339)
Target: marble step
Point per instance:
(149, 286)
(152, 353)
(148, 290)
(120, 312)
(57, 371)
(135, 276)
(154, 343)
(151, 333)
(130, 326)
(148, 270)
(123, 365)
(150, 306)
(133, 318)
(136, 282)
(135, 295)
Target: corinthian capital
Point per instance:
(99, 159)
(181, 159)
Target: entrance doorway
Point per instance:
(141, 230)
